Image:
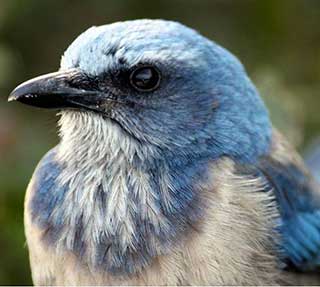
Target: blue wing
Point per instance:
(299, 205)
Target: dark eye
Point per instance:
(145, 79)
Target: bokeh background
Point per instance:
(277, 40)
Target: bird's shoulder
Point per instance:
(43, 192)
(48, 163)
(297, 197)
(46, 172)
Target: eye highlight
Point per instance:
(145, 78)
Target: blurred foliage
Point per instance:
(277, 40)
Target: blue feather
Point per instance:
(299, 207)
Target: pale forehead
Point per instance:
(98, 48)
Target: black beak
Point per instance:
(57, 91)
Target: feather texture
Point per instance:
(183, 184)
(224, 248)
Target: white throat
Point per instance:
(101, 178)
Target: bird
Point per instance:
(168, 170)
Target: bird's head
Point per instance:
(162, 85)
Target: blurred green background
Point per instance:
(277, 40)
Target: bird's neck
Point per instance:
(133, 204)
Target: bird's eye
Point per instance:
(145, 79)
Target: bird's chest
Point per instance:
(113, 216)
(126, 241)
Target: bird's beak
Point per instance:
(56, 91)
